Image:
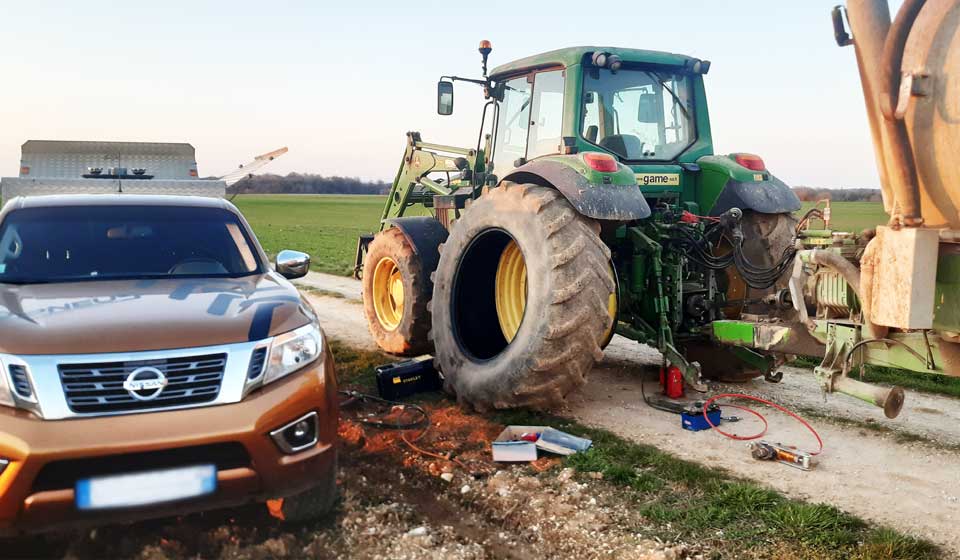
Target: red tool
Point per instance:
(671, 381)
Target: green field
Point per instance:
(327, 226)
(853, 216)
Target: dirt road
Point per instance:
(889, 475)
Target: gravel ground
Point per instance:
(904, 473)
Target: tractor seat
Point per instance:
(591, 134)
(626, 146)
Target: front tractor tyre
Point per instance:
(521, 299)
(396, 291)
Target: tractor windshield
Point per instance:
(638, 114)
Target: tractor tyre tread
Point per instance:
(551, 357)
(410, 338)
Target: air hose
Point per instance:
(757, 414)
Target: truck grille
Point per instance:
(97, 388)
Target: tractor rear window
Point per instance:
(76, 243)
(638, 114)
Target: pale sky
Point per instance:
(341, 82)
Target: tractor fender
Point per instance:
(724, 184)
(771, 196)
(425, 235)
(600, 201)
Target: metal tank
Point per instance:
(910, 71)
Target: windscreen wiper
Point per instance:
(676, 98)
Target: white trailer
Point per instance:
(49, 167)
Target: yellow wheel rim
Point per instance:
(511, 290)
(612, 304)
(388, 293)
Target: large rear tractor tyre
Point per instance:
(766, 238)
(396, 291)
(520, 299)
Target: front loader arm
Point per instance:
(412, 184)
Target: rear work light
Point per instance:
(604, 163)
(24, 170)
(750, 161)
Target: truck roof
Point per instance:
(573, 55)
(59, 201)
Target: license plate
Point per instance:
(145, 488)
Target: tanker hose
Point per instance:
(905, 183)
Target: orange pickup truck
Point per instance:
(153, 362)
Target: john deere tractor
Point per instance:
(592, 204)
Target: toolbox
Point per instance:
(692, 418)
(402, 379)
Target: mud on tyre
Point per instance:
(396, 291)
(520, 300)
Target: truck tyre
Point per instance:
(520, 299)
(396, 291)
(310, 505)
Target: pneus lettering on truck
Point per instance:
(153, 362)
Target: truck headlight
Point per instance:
(292, 351)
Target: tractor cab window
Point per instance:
(512, 125)
(547, 117)
(638, 114)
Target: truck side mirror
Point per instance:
(292, 264)
(445, 97)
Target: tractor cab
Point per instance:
(645, 108)
(639, 111)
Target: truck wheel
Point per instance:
(310, 505)
(395, 295)
(520, 299)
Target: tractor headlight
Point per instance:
(292, 351)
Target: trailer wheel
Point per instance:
(520, 299)
(396, 291)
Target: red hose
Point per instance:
(793, 415)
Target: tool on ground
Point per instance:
(692, 418)
(788, 455)
(402, 379)
(671, 382)
(764, 450)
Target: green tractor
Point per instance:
(592, 204)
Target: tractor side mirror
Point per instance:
(445, 98)
(647, 109)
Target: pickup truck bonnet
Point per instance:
(141, 315)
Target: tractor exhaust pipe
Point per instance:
(890, 399)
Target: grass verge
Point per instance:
(686, 501)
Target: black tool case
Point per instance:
(402, 379)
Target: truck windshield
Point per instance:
(638, 114)
(75, 243)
